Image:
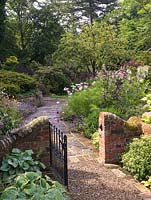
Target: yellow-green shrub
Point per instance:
(16, 83)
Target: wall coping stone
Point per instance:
(8, 140)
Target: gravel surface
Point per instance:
(89, 180)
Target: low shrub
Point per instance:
(80, 103)
(32, 186)
(137, 159)
(18, 162)
(11, 63)
(11, 89)
(52, 80)
(16, 83)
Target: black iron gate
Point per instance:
(58, 154)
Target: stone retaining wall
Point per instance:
(115, 135)
(36, 100)
(34, 135)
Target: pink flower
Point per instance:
(145, 106)
(149, 115)
(81, 88)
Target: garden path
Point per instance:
(88, 178)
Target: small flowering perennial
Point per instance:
(76, 88)
(146, 117)
(1, 125)
(9, 116)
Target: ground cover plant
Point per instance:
(18, 162)
(32, 186)
(21, 178)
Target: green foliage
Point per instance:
(32, 186)
(20, 83)
(135, 22)
(9, 115)
(74, 10)
(82, 102)
(46, 34)
(91, 122)
(11, 89)
(2, 20)
(36, 31)
(52, 80)
(95, 139)
(88, 51)
(146, 117)
(123, 91)
(11, 63)
(137, 159)
(147, 183)
(18, 162)
(119, 92)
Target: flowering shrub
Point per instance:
(9, 116)
(119, 92)
(146, 117)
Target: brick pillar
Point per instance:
(114, 136)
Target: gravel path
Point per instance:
(88, 179)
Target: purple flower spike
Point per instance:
(104, 95)
(1, 124)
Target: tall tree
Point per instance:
(96, 45)
(36, 30)
(21, 10)
(83, 11)
(46, 34)
(135, 26)
(2, 21)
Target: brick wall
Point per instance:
(115, 135)
(34, 135)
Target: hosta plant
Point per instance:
(32, 186)
(18, 162)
